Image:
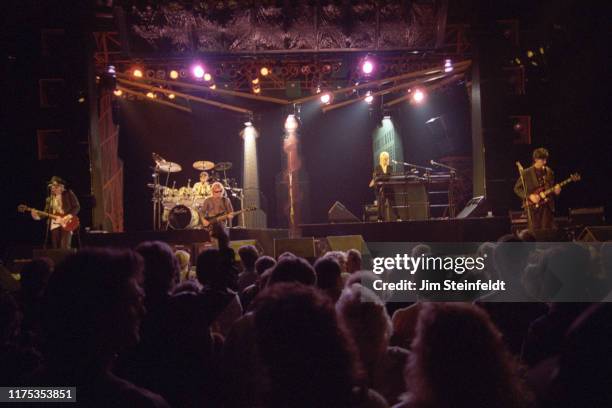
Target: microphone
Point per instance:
(188, 183)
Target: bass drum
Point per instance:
(183, 217)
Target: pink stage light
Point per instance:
(198, 71)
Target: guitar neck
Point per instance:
(44, 213)
(561, 184)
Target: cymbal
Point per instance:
(223, 166)
(203, 165)
(168, 167)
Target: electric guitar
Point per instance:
(544, 194)
(67, 222)
(223, 217)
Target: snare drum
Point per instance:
(183, 217)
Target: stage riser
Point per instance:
(453, 230)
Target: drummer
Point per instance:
(216, 205)
(202, 188)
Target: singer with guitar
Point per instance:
(534, 179)
(215, 205)
(61, 202)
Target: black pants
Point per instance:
(386, 195)
(60, 239)
(542, 218)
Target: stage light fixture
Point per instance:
(207, 77)
(418, 96)
(542, 50)
(256, 89)
(111, 70)
(255, 81)
(367, 67)
(213, 86)
(171, 96)
(150, 74)
(448, 65)
(118, 92)
(151, 95)
(369, 98)
(530, 54)
(174, 74)
(291, 123)
(264, 71)
(198, 71)
(326, 98)
(137, 73)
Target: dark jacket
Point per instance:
(531, 182)
(70, 203)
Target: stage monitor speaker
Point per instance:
(596, 234)
(235, 245)
(56, 255)
(587, 216)
(474, 208)
(411, 212)
(339, 213)
(303, 247)
(346, 242)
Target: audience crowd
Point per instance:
(143, 328)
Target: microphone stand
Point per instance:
(526, 199)
(47, 209)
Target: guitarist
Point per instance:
(216, 205)
(536, 178)
(61, 201)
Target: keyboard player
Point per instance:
(384, 194)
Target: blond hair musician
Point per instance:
(384, 194)
(202, 188)
(216, 205)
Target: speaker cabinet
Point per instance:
(596, 234)
(476, 207)
(303, 247)
(339, 213)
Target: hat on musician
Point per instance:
(56, 180)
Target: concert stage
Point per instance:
(442, 230)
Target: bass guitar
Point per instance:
(67, 222)
(223, 217)
(542, 196)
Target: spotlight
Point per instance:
(118, 92)
(213, 86)
(369, 98)
(111, 70)
(248, 124)
(418, 96)
(137, 73)
(264, 71)
(530, 54)
(367, 67)
(207, 77)
(542, 50)
(291, 123)
(326, 98)
(151, 95)
(81, 99)
(198, 71)
(174, 74)
(387, 117)
(256, 89)
(171, 96)
(448, 66)
(517, 60)
(255, 81)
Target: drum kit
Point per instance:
(178, 208)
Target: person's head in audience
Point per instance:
(208, 272)
(364, 278)
(420, 249)
(339, 256)
(511, 256)
(35, 276)
(486, 250)
(263, 263)
(161, 271)
(460, 360)
(9, 318)
(304, 350)
(353, 261)
(329, 278)
(526, 236)
(365, 317)
(183, 258)
(292, 269)
(248, 256)
(94, 306)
